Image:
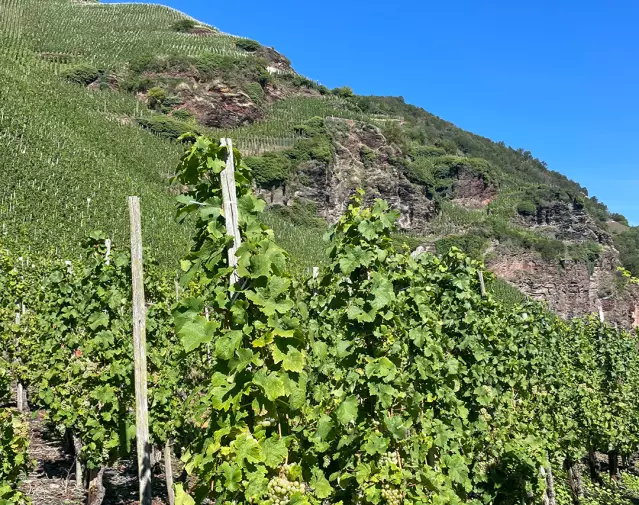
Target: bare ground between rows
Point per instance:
(52, 481)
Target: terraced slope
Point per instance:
(93, 96)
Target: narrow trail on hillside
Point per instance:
(52, 481)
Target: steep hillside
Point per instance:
(92, 98)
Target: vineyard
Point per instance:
(289, 361)
(382, 377)
(81, 150)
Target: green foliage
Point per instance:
(270, 169)
(86, 325)
(257, 380)
(184, 25)
(627, 243)
(14, 459)
(473, 244)
(183, 115)
(505, 293)
(81, 74)
(343, 92)
(248, 45)
(155, 97)
(367, 156)
(165, 127)
(255, 92)
(527, 208)
(619, 218)
(439, 174)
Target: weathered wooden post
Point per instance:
(482, 284)
(139, 353)
(229, 199)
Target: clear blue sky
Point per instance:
(556, 77)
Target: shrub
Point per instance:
(312, 128)
(166, 127)
(137, 84)
(420, 171)
(367, 155)
(527, 208)
(155, 97)
(344, 92)
(255, 92)
(317, 148)
(474, 244)
(81, 74)
(182, 114)
(627, 243)
(269, 170)
(247, 45)
(184, 26)
(427, 151)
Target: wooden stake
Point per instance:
(19, 386)
(168, 472)
(79, 474)
(107, 256)
(139, 353)
(482, 285)
(229, 198)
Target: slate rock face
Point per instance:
(570, 288)
(330, 185)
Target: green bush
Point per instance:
(367, 156)
(145, 62)
(81, 74)
(316, 148)
(344, 92)
(166, 127)
(184, 25)
(247, 45)
(182, 115)
(255, 92)
(427, 151)
(527, 208)
(627, 243)
(312, 128)
(420, 171)
(473, 244)
(270, 170)
(155, 97)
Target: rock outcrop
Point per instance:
(570, 288)
(330, 185)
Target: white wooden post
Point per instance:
(482, 285)
(139, 353)
(229, 199)
(107, 256)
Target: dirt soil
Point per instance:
(52, 481)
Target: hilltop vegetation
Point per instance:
(95, 95)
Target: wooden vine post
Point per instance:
(229, 200)
(482, 284)
(139, 353)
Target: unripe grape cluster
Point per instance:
(392, 496)
(280, 489)
(390, 458)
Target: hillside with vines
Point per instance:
(383, 378)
